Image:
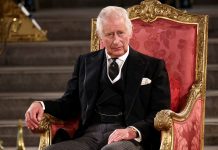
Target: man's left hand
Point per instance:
(122, 134)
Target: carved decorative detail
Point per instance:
(45, 140)
(45, 130)
(166, 142)
(150, 10)
(163, 120)
(45, 123)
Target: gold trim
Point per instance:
(20, 140)
(1, 145)
(94, 37)
(163, 122)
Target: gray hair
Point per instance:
(115, 12)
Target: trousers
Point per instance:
(95, 137)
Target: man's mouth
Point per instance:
(117, 48)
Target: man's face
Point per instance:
(115, 37)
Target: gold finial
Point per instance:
(20, 141)
(1, 147)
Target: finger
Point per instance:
(111, 137)
(33, 116)
(32, 120)
(40, 115)
(28, 121)
(115, 136)
(115, 139)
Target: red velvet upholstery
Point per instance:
(175, 43)
(69, 126)
(187, 133)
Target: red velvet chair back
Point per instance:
(175, 43)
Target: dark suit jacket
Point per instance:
(142, 102)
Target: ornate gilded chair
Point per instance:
(180, 39)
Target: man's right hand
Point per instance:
(33, 115)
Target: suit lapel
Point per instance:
(135, 71)
(93, 69)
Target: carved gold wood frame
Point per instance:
(149, 11)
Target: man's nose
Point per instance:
(116, 39)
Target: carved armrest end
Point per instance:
(163, 120)
(46, 122)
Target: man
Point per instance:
(116, 91)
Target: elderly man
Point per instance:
(116, 91)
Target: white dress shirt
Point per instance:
(120, 61)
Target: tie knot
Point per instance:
(114, 59)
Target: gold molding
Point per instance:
(1, 145)
(20, 140)
(94, 37)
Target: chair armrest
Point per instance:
(46, 122)
(184, 127)
(48, 127)
(44, 130)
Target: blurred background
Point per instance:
(37, 66)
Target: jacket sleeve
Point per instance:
(68, 106)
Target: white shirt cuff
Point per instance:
(138, 139)
(42, 103)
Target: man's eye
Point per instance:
(109, 34)
(120, 33)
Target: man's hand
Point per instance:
(34, 115)
(122, 134)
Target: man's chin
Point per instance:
(119, 54)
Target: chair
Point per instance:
(180, 39)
